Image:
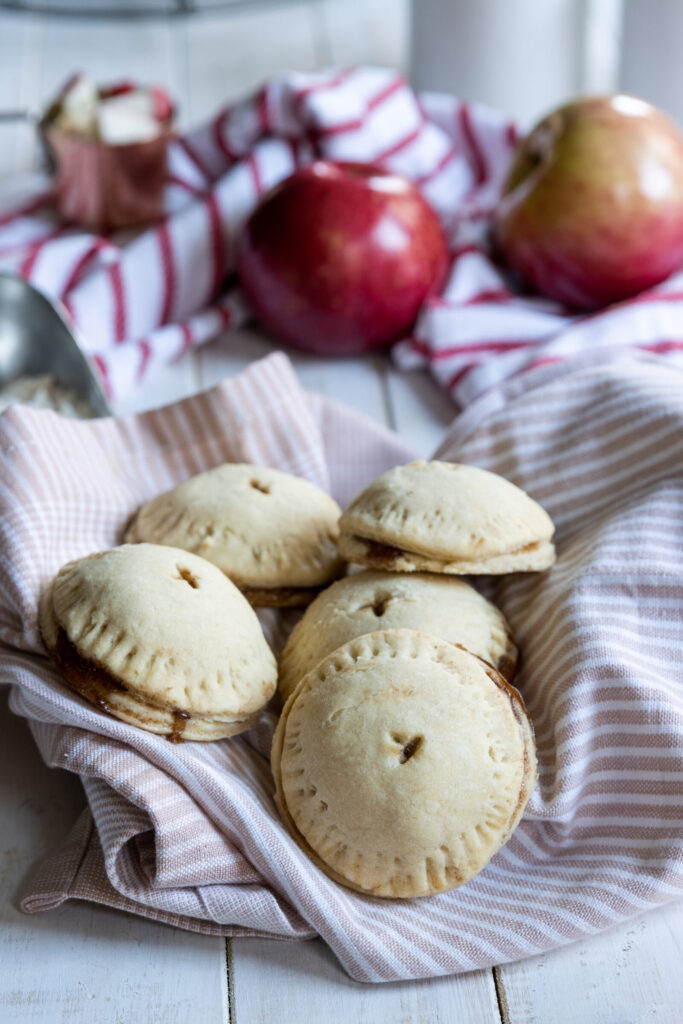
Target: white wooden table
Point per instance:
(82, 964)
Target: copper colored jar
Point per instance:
(104, 186)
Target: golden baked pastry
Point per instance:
(442, 606)
(272, 533)
(449, 518)
(161, 639)
(402, 764)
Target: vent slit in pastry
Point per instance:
(161, 639)
(397, 748)
(443, 606)
(448, 518)
(185, 574)
(273, 534)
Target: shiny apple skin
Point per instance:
(339, 257)
(592, 211)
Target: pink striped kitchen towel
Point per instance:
(189, 835)
(147, 300)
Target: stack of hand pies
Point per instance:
(403, 757)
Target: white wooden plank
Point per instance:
(354, 381)
(164, 385)
(179, 70)
(367, 31)
(421, 411)
(627, 975)
(107, 49)
(81, 963)
(306, 984)
(231, 52)
(230, 353)
(19, 50)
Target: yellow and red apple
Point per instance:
(592, 210)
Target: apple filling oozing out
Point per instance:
(280, 597)
(385, 553)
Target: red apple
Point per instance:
(339, 257)
(592, 210)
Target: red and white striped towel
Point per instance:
(189, 834)
(147, 300)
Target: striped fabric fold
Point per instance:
(189, 835)
(144, 301)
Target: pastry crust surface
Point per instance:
(369, 601)
(402, 764)
(159, 638)
(449, 518)
(263, 528)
